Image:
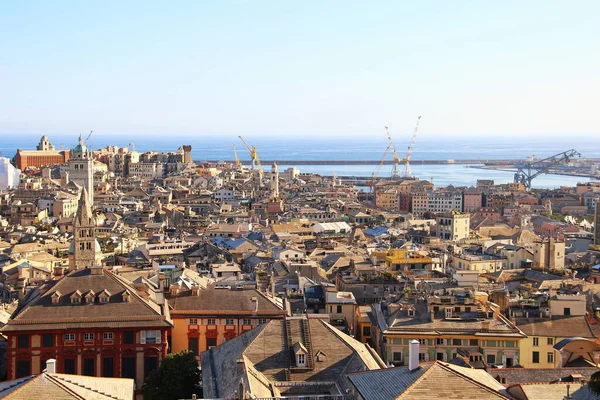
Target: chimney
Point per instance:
(432, 316)
(195, 290)
(485, 325)
(254, 305)
(413, 355)
(51, 366)
(161, 282)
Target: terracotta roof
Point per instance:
(223, 301)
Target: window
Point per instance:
(397, 356)
(536, 341)
(247, 322)
(47, 340)
(150, 364)
(23, 341)
(262, 321)
(449, 312)
(567, 311)
(128, 366)
(128, 337)
(491, 359)
(421, 356)
(193, 321)
(211, 321)
(301, 360)
(69, 337)
(366, 331)
(440, 356)
(550, 341)
(211, 342)
(69, 365)
(551, 357)
(107, 336)
(439, 341)
(193, 345)
(473, 342)
(88, 366)
(535, 357)
(108, 367)
(228, 322)
(422, 341)
(456, 342)
(411, 312)
(23, 368)
(88, 336)
(150, 337)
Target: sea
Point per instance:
(335, 147)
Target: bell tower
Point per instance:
(275, 181)
(81, 168)
(83, 254)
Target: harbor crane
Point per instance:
(406, 160)
(527, 171)
(376, 173)
(397, 160)
(254, 157)
(238, 163)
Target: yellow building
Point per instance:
(387, 199)
(341, 306)
(401, 260)
(480, 262)
(209, 317)
(364, 325)
(537, 349)
(447, 327)
(453, 225)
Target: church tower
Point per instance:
(83, 248)
(81, 169)
(275, 181)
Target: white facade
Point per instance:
(9, 175)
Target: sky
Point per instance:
(300, 68)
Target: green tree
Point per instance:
(177, 378)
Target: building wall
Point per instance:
(548, 357)
(220, 329)
(446, 345)
(79, 350)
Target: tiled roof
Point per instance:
(224, 301)
(515, 376)
(40, 313)
(432, 380)
(65, 387)
(556, 327)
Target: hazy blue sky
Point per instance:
(300, 67)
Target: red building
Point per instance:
(39, 158)
(93, 323)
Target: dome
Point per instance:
(80, 148)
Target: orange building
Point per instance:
(206, 318)
(39, 158)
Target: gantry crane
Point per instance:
(238, 163)
(529, 170)
(254, 157)
(376, 173)
(406, 160)
(395, 168)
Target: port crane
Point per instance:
(238, 163)
(397, 160)
(527, 171)
(406, 160)
(376, 173)
(254, 157)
